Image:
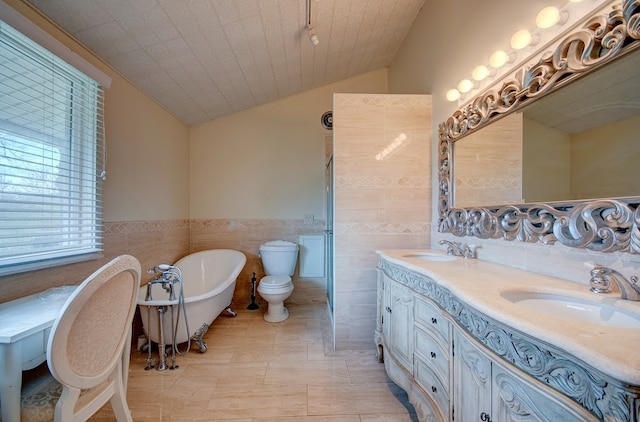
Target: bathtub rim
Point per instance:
(233, 276)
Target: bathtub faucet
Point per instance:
(169, 275)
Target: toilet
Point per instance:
(279, 261)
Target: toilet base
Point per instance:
(276, 312)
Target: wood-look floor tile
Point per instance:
(336, 418)
(307, 372)
(403, 417)
(275, 353)
(229, 373)
(298, 334)
(254, 371)
(244, 401)
(349, 399)
(366, 369)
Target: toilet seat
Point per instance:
(274, 282)
(275, 289)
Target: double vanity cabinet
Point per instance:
(451, 338)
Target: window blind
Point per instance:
(51, 152)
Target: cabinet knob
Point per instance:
(484, 416)
(434, 389)
(433, 355)
(388, 309)
(434, 321)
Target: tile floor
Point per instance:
(254, 371)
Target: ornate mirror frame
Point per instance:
(605, 225)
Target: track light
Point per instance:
(313, 38)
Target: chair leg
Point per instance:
(119, 398)
(66, 404)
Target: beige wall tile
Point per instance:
(382, 197)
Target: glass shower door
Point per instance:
(329, 231)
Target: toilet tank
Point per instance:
(279, 257)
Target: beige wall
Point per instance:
(447, 40)
(146, 207)
(546, 168)
(267, 162)
(255, 174)
(148, 158)
(379, 203)
(604, 161)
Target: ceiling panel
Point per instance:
(203, 59)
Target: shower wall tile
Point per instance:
(382, 198)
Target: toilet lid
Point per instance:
(279, 246)
(274, 281)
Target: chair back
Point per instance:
(88, 338)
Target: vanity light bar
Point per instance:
(548, 17)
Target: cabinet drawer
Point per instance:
(431, 318)
(430, 383)
(34, 349)
(433, 354)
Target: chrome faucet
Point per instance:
(458, 249)
(601, 278)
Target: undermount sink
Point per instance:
(429, 256)
(574, 309)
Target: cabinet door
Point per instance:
(517, 397)
(398, 323)
(471, 381)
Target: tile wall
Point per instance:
(165, 241)
(382, 174)
(246, 235)
(488, 164)
(152, 242)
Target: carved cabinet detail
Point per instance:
(451, 376)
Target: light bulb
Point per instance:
(498, 59)
(548, 17)
(480, 72)
(521, 39)
(453, 95)
(465, 86)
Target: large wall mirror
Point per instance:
(551, 152)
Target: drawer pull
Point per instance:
(388, 309)
(484, 416)
(434, 321)
(434, 389)
(433, 355)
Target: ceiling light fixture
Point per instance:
(453, 95)
(550, 16)
(480, 72)
(465, 86)
(313, 38)
(546, 19)
(521, 39)
(499, 59)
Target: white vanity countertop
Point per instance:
(611, 350)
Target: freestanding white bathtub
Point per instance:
(209, 280)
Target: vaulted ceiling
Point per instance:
(203, 59)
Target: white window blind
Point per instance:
(51, 152)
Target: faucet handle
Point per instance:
(600, 285)
(599, 282)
